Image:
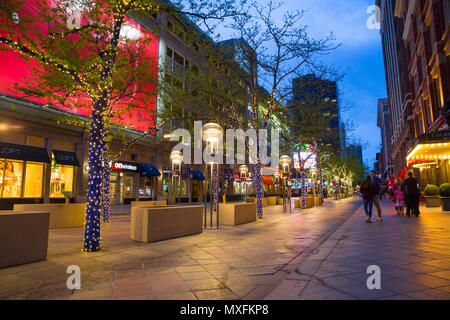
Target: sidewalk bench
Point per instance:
(153, 224)
(23, 237)
(237, 213)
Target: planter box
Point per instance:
(432, 201)
(309, 203)
(271, 201)
(161, 223)
(148, 203)
(62, 215)
(237, 213)
(445, 203)
(23, 237)
(318, 201)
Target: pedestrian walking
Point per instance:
(368, 193)
(412, 192)
(376, 200)
(400, 200)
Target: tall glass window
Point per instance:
(11, 178)
(61, 180)
(33, 180)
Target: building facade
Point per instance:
(426, 36)
(397, 85)
(384, 123)
(322, 98)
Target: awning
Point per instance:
(25, 153)
(149, 170)
(267, 180)
(428, 152)
(66, 158)
(197, 175)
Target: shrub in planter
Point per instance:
(432, 196)
(444, 191)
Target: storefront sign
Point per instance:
(21, 152)
(66, 158)
(125, 166)
(435, 136)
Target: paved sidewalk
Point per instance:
(241, 262)
(412, 253)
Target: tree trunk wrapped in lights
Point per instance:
(259, 189)
(93, 208)
(215, 189)
(106, 205)
(319, 165)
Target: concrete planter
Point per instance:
(161, 223)
(318, 201)
(445, 203)
(62, 215)
(23, 237)
(148, 203)
(432, 201)
(309, 203)
(272, 201)
(237, 213)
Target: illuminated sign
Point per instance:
(125, 166)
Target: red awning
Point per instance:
(267, 180)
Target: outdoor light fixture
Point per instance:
(177, 158)
(285, 162)
(212, 133)
(243, 170)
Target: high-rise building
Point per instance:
(426, 36)
(384, 123)
(354, 151)
(398, 87)
(321, 96)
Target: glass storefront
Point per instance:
(20, 179)
(122, 187)
(61, 179)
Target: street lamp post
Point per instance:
(285, 162)
(177, 158)
(243, 171)
(213, 133)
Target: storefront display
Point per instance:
(61, 180)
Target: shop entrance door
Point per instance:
(114, 189)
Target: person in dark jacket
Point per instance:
(411, 189)
(368, 192)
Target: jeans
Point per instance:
(368, 204)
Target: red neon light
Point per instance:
(14, 69)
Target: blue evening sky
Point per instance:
(360, 54)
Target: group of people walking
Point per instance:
(404, 194)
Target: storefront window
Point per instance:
(128, 187)
(33, 181)
(61, 180)
(11, 178)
